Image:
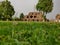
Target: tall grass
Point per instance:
(29, 33)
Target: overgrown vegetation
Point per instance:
(29, 33)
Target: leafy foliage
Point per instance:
(44, 5)
(21, 16)
(6, 10)
(33, 33)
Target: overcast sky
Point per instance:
(27, 6)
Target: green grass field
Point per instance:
(29, 33)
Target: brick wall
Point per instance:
(34, 16)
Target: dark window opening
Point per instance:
(25, 19)
(33, 19)
(27, 16)
(31, 16)
(34, 16)
(35, 13)
(37, 20)
(59, 18)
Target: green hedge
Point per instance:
(29, 33)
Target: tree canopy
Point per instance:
(6, 9)
(21, 16)
(45, 5)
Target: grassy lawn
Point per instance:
(29, 33)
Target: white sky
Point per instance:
(27, 6)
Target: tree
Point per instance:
(7, 10)
(21, 16)
(44, 5)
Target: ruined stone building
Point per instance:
(58, 18)
(34, 16)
